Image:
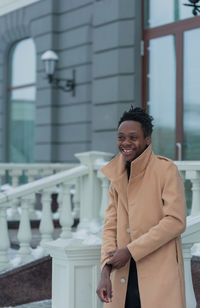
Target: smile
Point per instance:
(126, 152)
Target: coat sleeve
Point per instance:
(110, 227)
(174, 217)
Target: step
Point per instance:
(41, 304)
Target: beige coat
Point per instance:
(146, 214)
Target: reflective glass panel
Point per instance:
(22, 125)
(191, 95)
(23, 63)
(21, 107)
(162, 94)
(158, 12)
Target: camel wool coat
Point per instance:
(147, 214)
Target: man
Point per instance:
(142, 265)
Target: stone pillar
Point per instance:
(194, 177)
(90, 188)
(75, 274)
(190, 237)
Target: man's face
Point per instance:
(131, 140)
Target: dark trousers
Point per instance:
(132, 294)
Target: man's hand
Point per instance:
(104, 290)
(119, 257)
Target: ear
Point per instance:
(148, 140)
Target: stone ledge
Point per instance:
(28, 283)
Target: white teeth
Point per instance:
(126, 151)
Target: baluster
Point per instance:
(14, 173)
(59, 198)
(77, 199)
(66, 219)
(90, 189)
(31, 174)
(46, 224)
(182, 173)
(4, 240)
(104, 195)
(190, 297)
(24, 233)
(194, 177)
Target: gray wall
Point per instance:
(101, 40)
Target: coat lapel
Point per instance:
(116, 172)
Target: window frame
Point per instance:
(177, 29)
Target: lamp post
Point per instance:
(50, 58)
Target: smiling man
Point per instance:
(141, 261)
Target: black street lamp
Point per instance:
(194, 5)
(50, 59)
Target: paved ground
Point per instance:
(43, 304)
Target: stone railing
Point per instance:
(76, 255)
(82, 179)
(190, 171)
(13, 175)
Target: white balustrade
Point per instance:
(90, 189)
(190, 170)
(71, 259)
(76, 199)
(194, 177)
(31, 175)
(24, 233)
(46, 225)
(105, 194)
(15, 174)
(66, 220)
(190, 237)
(4, 239)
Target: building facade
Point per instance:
(103, 41)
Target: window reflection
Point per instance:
(159, 12)
(162, 94)
(191, 95)
(23, 63)
(21, 107)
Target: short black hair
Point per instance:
(139, 115)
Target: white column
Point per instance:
(194, 177)
(24, 233)
(66, 220)
(90, 198)
(4, 240)
(75, 274)
(76, 199)
(189, 237)
(46, 224)
(31, 175)
(15, 174)
(190, 296)
(105, 194)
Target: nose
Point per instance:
(127, 141)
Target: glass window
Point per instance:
(162, 94)
(21, 105)
(157, 12)
(191, 99)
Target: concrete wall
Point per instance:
(100, 40)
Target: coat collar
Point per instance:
(116, 168)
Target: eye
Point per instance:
(120, 138)
(133, 138)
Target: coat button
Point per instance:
(128, 230)
(122, 280)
